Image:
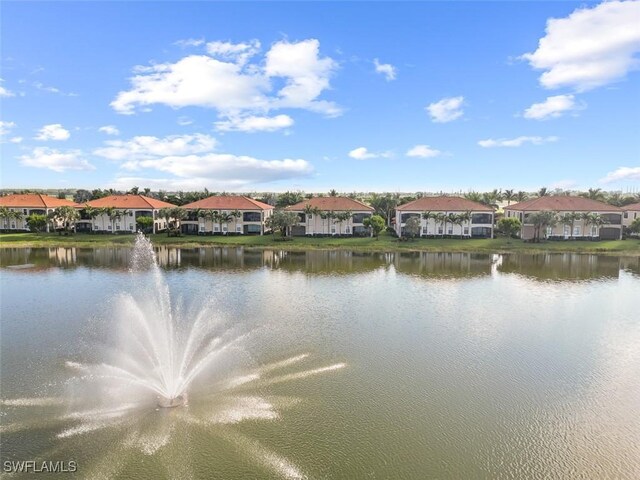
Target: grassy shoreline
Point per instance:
(386, 243)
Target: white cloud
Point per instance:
(189, 42)
(43, 157)
(239, 53)
(446, 110)
(361, 153)
(423, 151)
(145, 147)
(192, 161)
(589, 48)
(622, 174)
(227, 81)
(16, 140)
(552, 107)
(255, 124)
(109, 130)
(49, 89)
(184, 121)
(54, 131)
(516, 142)
(6, 127)
(4, 92)
(307, 75)
(386, 69)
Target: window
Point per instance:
(238, 228)
(333, 230)
(302, 217)
(626, 214)
(117, 226)
(131, 227)
(310, 217)
(440, 230)
(359, 217)
(594, 231)
(567, 230)
(450, 231)
(549, 231)
(224, 228)
(109, 227)
(424, 230)
(405, 216)
(201, 227)
(466, 230)
(13, 225)
(24, 211)
(216, 228)
(481, 218)
(347, 230)
(576, 231)
(95, 227)
(130, 213)
(251, 217)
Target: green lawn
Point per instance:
(385, 243)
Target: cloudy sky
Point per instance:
(415, 96)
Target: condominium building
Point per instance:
(118, 214)
(223, 214)
(330, 216)
(25, 204)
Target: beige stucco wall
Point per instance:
(316, 225)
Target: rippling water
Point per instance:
(445, 365)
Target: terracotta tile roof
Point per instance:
(564, 203)
(634, 206)
(35, 200)
(332, 204)
(228, 202)
(444, 204)
(129, 202)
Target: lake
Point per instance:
(350, 365)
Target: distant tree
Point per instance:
(473, 196)
(594, 194)
(509, 226)
(147, 191)
(289, 198)
(509, 196)
(342, 217)
(82, 196)
(375, 224)
(67, 216)
(635, 226)
(541, 221)
(543, 192)
(145, 224)
(281, 221)
(333, 193)
(385, 205)
(570, 219)
(36, 222)
(521, 196)
(62, 195)
(134, 191)
(412, 227)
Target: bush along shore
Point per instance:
(385, 242)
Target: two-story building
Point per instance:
(630, 213)
(582, 226)
(224, 214)
(118, 214)
(447, 216)
(25, 204)
(330, 216)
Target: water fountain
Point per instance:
(158, 365)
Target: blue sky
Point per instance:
(415, 96)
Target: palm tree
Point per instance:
(5, 214)
(235, 215)
(464, 218)
(333, 193)
(509, 195)
(593, 219)
(570, 220)
(595, 194)
(441, 220)
(521, 196)
(473, 196)
(342, 217)
(308, 211)
(541, 221)
(427, 215)
(543, 192)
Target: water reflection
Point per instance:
(542, 266)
